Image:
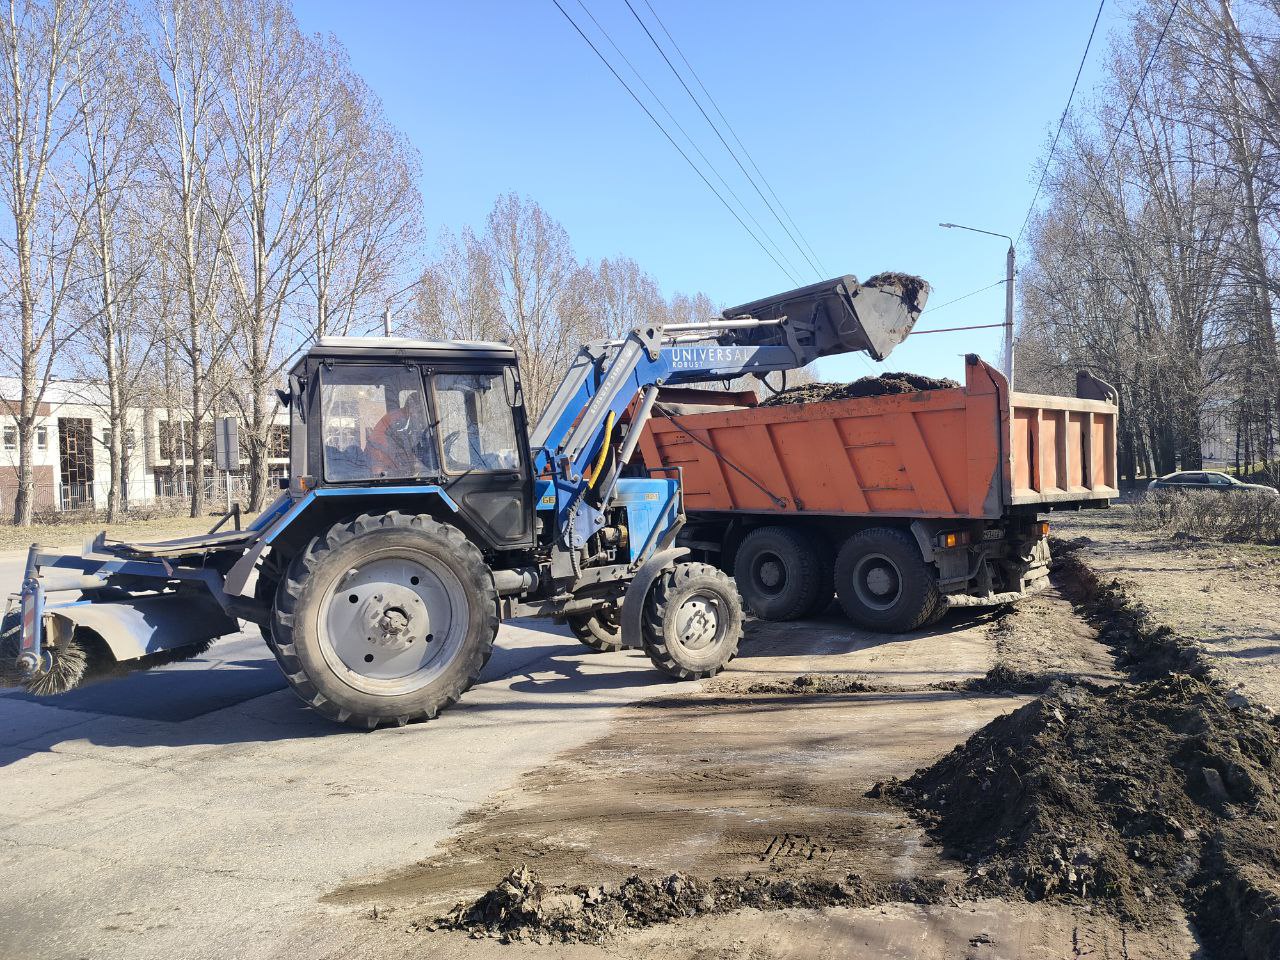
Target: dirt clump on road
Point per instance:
(814, 683)
(905, 285)
(1003, 678)
(883, 385)
(522, 908)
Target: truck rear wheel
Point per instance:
(692, 621)
(599, 629)
(385, 619)
(883, 583)
(783, 573)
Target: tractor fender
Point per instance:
(238, 576)
(638, 590)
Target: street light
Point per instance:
(1008, 294)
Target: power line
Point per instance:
(693, 143)
(1061, 121)
(971, 293)
(713, 126)
(1141, 83)
(980, 326)
(658, 124)
(733, 133)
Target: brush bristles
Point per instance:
(69, 664)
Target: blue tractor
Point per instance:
(421, 510)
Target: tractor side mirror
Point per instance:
(511, 387)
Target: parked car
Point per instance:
(1208, 480)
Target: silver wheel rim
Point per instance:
(877, 581)
(391, 624)
(699, 623)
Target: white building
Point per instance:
(72, 460)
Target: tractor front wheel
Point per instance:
(692, 621)
(386, 619)
(599, 629)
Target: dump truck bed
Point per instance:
(972, 452)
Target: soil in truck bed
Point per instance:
(883, 385)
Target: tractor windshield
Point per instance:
(374, 420)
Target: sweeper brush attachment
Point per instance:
(61, 668)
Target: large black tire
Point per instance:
(883, 582)
(265, 590)
(599, 629)
(826, 576)
(783, 573)
(403, 671)
(692, 621)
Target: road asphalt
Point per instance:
(199, 810)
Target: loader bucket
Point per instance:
(841, 315)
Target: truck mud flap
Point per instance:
(995, 599)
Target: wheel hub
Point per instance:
(879, 581)
(697, 622)
(394, 618)
(771, 573)
(392, 621)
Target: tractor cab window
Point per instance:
(374, 423)
(476, 428)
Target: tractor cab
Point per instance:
(369, 413)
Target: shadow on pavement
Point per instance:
(190, 703)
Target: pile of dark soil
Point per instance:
(522, 908)
(903, 284)
(810, 683)
(883, 385)
(1131, 797)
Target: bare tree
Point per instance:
(119, 248)
(44, 45)
(187, 74)
(362, 200)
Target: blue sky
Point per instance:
(872, 121)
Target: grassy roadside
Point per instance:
(77, 534)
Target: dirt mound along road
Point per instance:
(522, 908)
(1136, 797)
(883, 385)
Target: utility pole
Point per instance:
(1009, 267)
(386, 321)
(1010, 270)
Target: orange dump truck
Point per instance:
(903, 505)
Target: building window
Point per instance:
(129, 439)
(42, 438)
(10, 437)
(278, 442)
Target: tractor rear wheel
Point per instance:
(692, 621)
(599, 629)
(385, 619)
